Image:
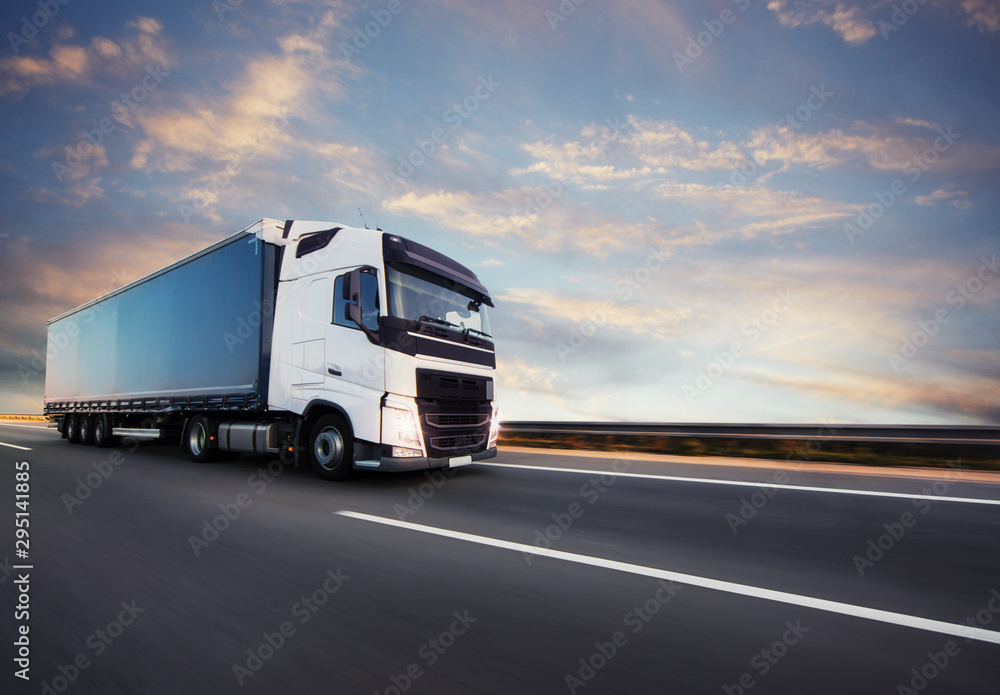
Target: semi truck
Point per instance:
(337, 347)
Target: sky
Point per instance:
(722, 211)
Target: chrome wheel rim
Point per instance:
(197, 438)
(328, 448)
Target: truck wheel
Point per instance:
(331, 448)
(197, 439)
(85, 427)
(72, 433)
(102, 432)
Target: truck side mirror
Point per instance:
(354, 297)
(353, 311)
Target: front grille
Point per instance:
(455, 411)
(454, 444)
(433, 384)
(450, 420)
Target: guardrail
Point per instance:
(898, 434)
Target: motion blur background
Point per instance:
(708, 212)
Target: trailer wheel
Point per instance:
(197, 439)
(85, 428)
(72, 433)
(331, 448)
(102, 432)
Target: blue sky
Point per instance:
(729, 211)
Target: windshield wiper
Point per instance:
(473, 330)
(439, 322)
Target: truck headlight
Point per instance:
(400, 427)
(494, 426)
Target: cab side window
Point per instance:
(369, 301)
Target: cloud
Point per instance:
(849, 22)
(642, 148)
(983, 14)
(874, 146)
(351, 166)
(77, 192)
(959, 199)
(517, 375)
(535, 217)
(665, 145)
(652, 24)
(78, 64)
(44, 280)
(651, 321)
(248, 121)
(857, 23)
(649, 151)
(747, 211)
(939, 394)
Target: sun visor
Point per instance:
(396, 249)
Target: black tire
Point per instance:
(85, 427)
(102, 432)
(197, 440)
(70, 426)
(331, 448)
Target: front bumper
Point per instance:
(393, 464)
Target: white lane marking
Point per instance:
(713, 481)
(953, 629)
(15, 446)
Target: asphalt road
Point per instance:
(140, 583)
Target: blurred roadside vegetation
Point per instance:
(975, 457)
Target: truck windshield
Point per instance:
(415, 295)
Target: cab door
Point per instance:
(355, 367)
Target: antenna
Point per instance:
(362, 218)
